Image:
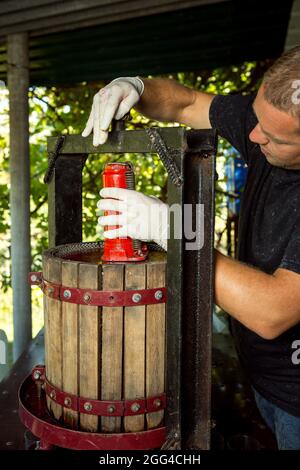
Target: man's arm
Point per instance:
(164, 100)
(268, 304)
(167, 100)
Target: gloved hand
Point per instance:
(113, 101)
(139, 216)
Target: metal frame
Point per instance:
(189, 273)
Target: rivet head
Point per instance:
(67, 294)
(135, 407)
(33, 278)
(87, 297)
(87, 406)
(136, 298)
(36, 375)
(52, 394)
(157, 403)
(67, 401)
(111, 409)
(158, 295)
(50, 290)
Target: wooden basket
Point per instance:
(105, 353)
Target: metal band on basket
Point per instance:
(75, 295)
(99, 407)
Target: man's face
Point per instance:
(277, 133)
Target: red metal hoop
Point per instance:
(98, 407)
(126, 298)
(35, 416)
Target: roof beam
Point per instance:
(72, 14)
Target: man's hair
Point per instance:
(282, 83)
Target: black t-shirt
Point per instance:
(269, 238)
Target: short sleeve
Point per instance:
(234, 119)
(291, 257)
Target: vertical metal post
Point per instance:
(174, 317)
(190, 297)
(18, 83)
(65, 200)
(198, 274)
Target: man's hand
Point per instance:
(113, 101)
(139, 216)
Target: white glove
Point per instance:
(113, 101)
(139, 216)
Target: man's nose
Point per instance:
(257, 136)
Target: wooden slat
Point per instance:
(134, 346)
(54, 341)
(70, 341)
(155, 341)
(89, 337)
(46, 319)
(112, 346)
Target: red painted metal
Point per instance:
(120, 249)
(98, 407)
(38, 373)
(98, 297)
(35, 416)
(35, 278)
(105, 407)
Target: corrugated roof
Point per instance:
(192, 39)
(37, 16)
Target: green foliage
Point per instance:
(65, 110)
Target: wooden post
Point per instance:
(18, 83)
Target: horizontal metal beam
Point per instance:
(138, 142)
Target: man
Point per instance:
(261, 291)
